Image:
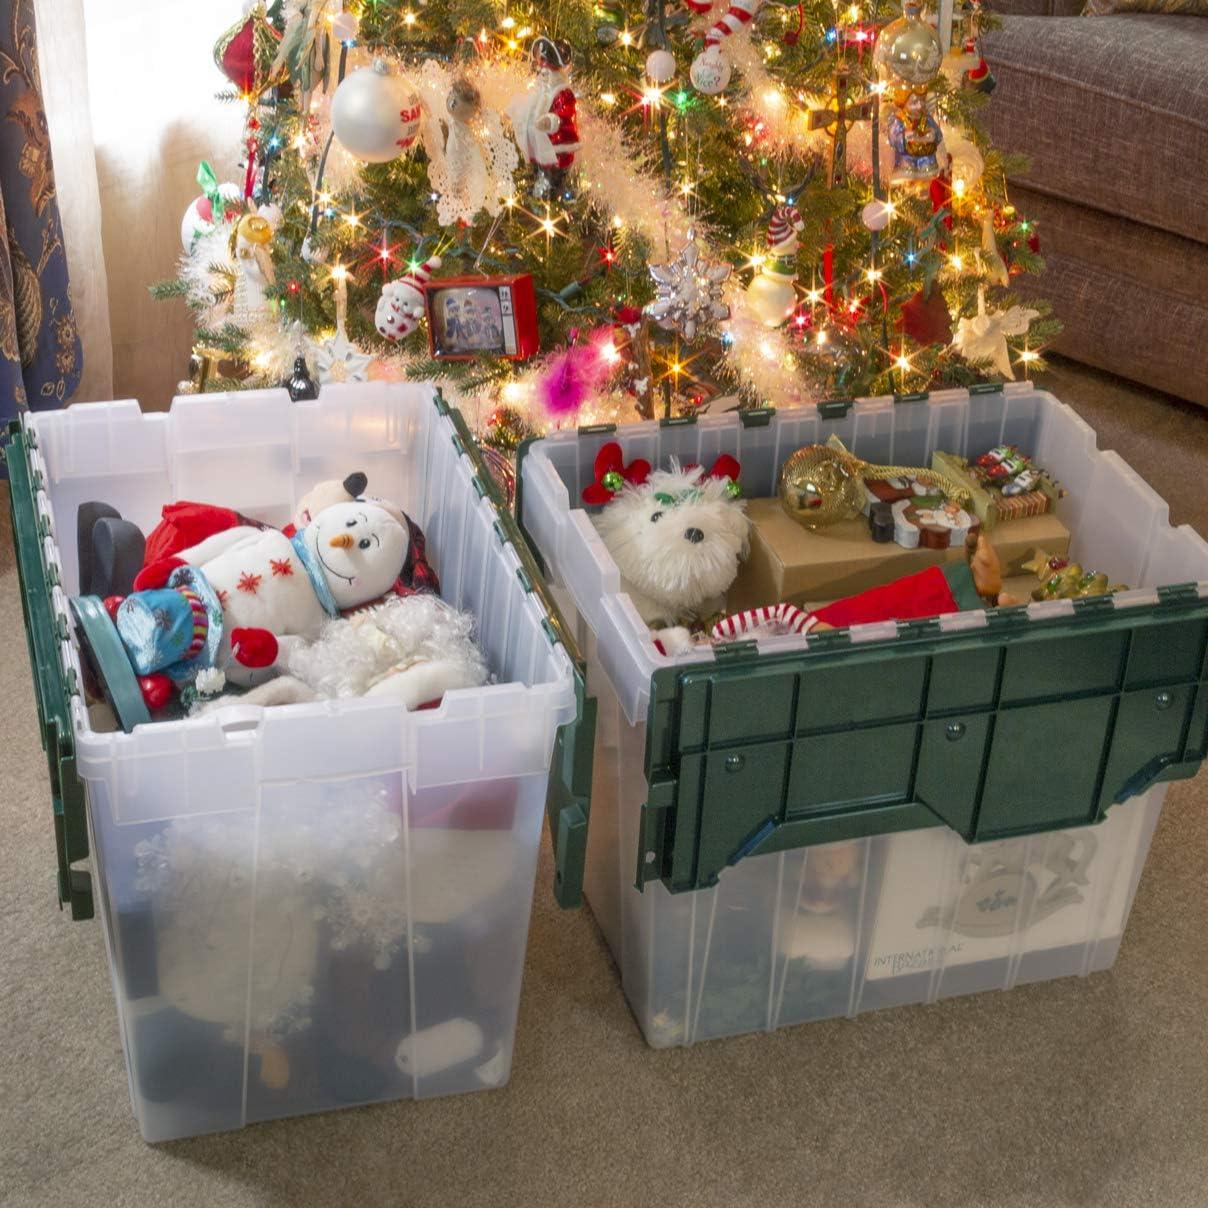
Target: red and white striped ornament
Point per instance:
(738, 16)
(699, 6)
(783, 228)
(782, 618)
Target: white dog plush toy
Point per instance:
(677, 537)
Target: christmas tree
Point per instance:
(649, 207)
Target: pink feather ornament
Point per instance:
(573, 376)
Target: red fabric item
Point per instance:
(925, 594)
(940, 190)
(186, 524)
(925, 318)
(112, 604)
(610, 459)
(254, 647)
(155, 574)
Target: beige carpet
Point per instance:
(1087, 1092)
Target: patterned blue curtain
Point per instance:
(40, 354)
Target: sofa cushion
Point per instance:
(1112, 111)
(1152, 258)
(1131, 297)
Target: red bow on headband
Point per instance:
(612, 474)
(724, 467)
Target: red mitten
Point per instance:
(253, 647)
(155, 574)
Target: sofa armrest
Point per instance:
(1038, 8)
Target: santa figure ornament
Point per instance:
(401, 306)
(710, 71)
(544, 118)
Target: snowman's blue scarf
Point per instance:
(314, 572)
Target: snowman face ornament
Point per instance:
(361, 549)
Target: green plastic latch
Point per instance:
(677, 421)
(45, 632)
(756, 417)
(596, 429)
(986, 388)
(914, 396)
(835, 408)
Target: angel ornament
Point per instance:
(983, 338)
(253, 267)
(471, 160)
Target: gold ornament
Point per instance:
(909, 49)
(823, 484)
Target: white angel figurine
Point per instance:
(471, 166)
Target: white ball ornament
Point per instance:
(710, 72)
(345, 26)
(199, 217)
(660, 67)
(375, 114)
(876, 215)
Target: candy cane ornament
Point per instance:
(785, 618)
(739, 15)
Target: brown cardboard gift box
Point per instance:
(790, 563)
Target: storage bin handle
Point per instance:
(46, 634)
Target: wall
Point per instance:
(152, 84)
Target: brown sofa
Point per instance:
(1113, 113)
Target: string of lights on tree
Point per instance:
(580, 212)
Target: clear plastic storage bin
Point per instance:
(798, 828)
(317, 905)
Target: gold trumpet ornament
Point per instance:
(823, 484)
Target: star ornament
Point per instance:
(688, 294)
(984, 337)
(339, 360)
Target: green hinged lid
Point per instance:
(568, 797)
(1022, 726)
(54, 685)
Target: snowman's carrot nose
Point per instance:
(343, 541)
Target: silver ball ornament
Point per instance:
(876, 215)
(660, 67)
(375, 114)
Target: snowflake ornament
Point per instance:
(688, 293)
(339, 360)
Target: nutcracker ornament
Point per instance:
(544, 119)
(772, 294)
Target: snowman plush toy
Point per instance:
(231, 608)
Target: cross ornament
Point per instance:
(837, 117)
